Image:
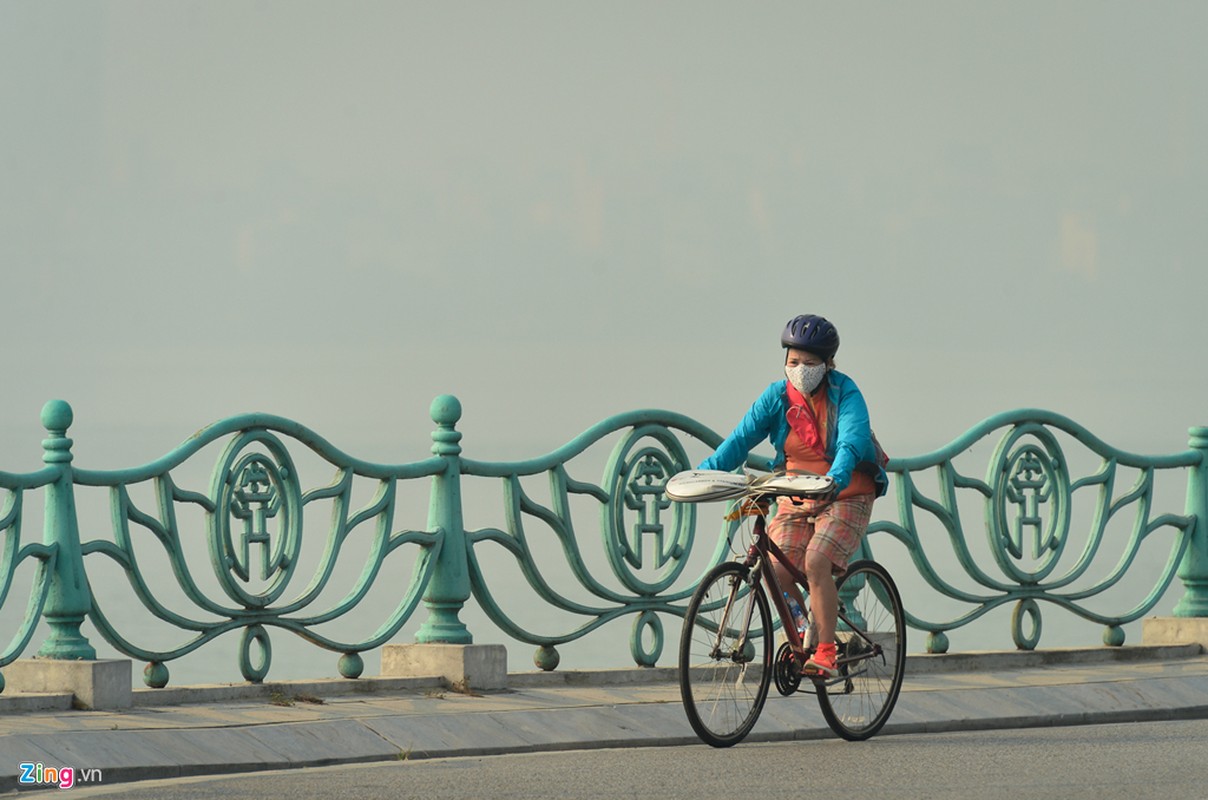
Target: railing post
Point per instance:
(450, 585)
(69, 598)
(1194, 569)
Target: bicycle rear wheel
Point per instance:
(725, 658)
(872, 654)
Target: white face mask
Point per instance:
(805, 378)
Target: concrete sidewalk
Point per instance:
(238, 728)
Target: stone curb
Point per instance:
(916, 664)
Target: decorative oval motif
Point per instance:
(644, 530)
(1026, 609)
(647, 621)
(255, 672)
(1028, 513)
(256, 529)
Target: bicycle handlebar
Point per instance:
(706, 485)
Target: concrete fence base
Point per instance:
(1175, 630)
(102, 685)
(462, 666)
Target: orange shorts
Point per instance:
(833, 529)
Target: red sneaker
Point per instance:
(822, 662)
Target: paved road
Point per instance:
(1130, 761)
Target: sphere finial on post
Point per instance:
(445, 412)
(57, 416)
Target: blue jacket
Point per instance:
(849, 443)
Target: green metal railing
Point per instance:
(1029, 488)
(648, 564)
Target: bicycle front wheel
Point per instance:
(725, 657)
(872, 654)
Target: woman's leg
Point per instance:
(791, 530)
(824, 597)
(837, 534)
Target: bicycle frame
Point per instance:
(759, 556)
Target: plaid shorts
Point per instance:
(833, 529)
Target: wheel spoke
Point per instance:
(857, 704)
(725, 656)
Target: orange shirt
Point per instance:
(798, 456)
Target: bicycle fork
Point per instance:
(738, 655)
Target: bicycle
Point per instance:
(725, 657)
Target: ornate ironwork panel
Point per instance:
(644, 530)
(257, 512)
(1028, 511)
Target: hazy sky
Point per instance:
(559, 211)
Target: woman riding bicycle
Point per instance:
(817, 421)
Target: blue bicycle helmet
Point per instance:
(813, 334)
